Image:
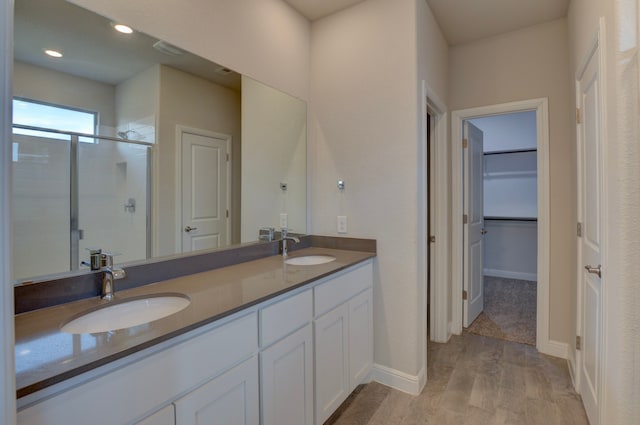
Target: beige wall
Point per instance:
(527, 64)
(621, 231)
(264, 39)
(46, 85)
(433, 52)
(363, 130)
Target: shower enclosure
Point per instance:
(73, 192)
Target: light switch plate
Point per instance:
(342, 224)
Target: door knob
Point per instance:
(484, 231)
(595, 270)
(189, 228)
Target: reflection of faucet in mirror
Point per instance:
(266, 234)
(284, 239)
(110, 274)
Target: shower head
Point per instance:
(125, 134)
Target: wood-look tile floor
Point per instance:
(474, 380)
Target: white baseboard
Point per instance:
(508, 274)
(411, 384)
(554, 348)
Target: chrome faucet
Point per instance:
(109, 275)
(284, 238)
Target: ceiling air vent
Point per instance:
(167, 49)
(223, 70)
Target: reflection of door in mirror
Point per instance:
(206, 189)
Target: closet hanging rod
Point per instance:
(510, 151)
(494, 218)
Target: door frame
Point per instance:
(7, 371)
(541, 106)
(439, 210)
(598, 46)
(180, 130)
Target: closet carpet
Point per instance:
(509, 310)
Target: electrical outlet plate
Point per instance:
(342, 224)
(283, 220)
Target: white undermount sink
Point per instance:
(121, 314)
(310, 260)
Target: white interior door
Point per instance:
(590, 196)
(205, 190)
(473, 297)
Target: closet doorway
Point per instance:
(508, 187)
(541, 108)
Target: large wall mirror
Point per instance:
(133, 145)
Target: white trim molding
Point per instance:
(411, 384)
(439, 289)
(541, 106)
(7, 374)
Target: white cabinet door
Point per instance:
(231, 398)
(360, 338)
(166, 416)
(332, 361)
(287, 380)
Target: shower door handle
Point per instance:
(189, 228)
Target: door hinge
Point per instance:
(465, 219)
(579, 230)
(465, 143)
(228, 156)
(432, 239)
(578, 342)
(227, 213)
(464, 295)
(578, 116)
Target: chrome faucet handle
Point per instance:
(266, 233)
(95, 261)
(106, 258)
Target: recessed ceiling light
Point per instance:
(53, 53)
(123, 28)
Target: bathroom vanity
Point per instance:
(262, 342)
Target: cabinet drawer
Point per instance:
(340, 288)
(284, 317)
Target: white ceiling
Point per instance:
(463, 21)
(91, 47)
(316, 9)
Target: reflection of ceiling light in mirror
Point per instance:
(53, 53)
(122, 28)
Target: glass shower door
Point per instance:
(113, 198)
(41, 204)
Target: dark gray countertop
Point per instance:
(46, 356)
